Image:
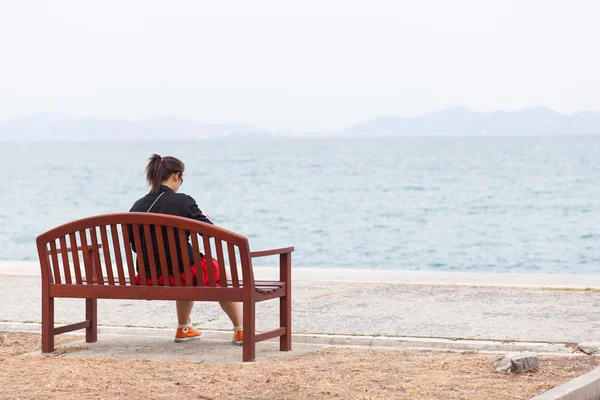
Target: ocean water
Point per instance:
(463, 204)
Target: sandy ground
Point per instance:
(330, 373)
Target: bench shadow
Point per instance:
(151, 348)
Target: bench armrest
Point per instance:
(272, 252)
(285, 263)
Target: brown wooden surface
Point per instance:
(87, 262)
(91, 316)
(72, 327)
(259, 286)
(174, 257)
(285, 302)
(221, 262)
(75, 257)
(197, 259)
(93, 284)
(233, 265)
(96, 264)
(65, 260)
(128, 254)
(150, 254)
(209, 262)
(188, 293)
(162, 256)
(185, 257)
(55, 266)
(272, 252)
(270, 334)
(249, 346)
(107, 260)
(117, 250)
(77, 248)
(139, 254)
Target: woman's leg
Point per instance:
(233, 311)
(185, 330)
(184, 311)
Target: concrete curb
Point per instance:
(585, 387)
(396, 342)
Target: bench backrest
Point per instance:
(98, 251)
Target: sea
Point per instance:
(492, 204)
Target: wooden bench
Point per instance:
(92, 259)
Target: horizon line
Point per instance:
(319, 132)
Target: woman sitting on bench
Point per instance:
(165, 177)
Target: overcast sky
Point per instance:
(306, 65)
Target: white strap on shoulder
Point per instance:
(155, 201)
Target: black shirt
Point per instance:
(167, 202)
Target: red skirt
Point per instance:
(138, 280)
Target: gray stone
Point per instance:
(517, 362)
(503, 364)
(525, 362)
(589, 347)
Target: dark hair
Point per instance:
(159, 169)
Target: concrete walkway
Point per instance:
(415, 304)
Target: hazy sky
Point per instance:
(308, 65)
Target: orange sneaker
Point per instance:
(187, 333)
(238, 337)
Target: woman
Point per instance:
(165, 177)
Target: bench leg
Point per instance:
(47, 324)
(91, 314)
(285, 318)
(285, 302)
(249, 331)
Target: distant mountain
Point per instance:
(454, 121)
(50, 127)
(459, 121)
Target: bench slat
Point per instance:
(65, 259)
(54, 257)
(107, 258)
(150, 254)
(128, 255)
(221, 261)
(174, 258)
(233, 265)
(96, 264)
(185, 257)
(209, 262)
(139, 254)
(87, 263)
(117, 249)
(197, 259)
(164, 266)
(75, 256)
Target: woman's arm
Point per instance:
(196, 213)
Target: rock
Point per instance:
(503, 364)
(517, 362)
(589, 347)
(526, 362)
